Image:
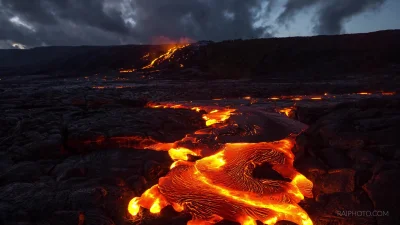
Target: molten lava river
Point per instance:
(212, 176)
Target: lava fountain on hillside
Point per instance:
(220, 184)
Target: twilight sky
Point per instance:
(33, 23)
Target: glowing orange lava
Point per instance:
(220, 185)
(286, 111)
(110, 87)
(98, 87)
(217, 116)
(274, 98)
(223, 184)
(212, 117)
(165, 56)
(127, 71)
(325, 96)
(388, 93)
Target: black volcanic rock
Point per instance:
(25, 172)
(382, 190)
(337, 181)
(60, 60)
(314, 58)
(308, 56)
(342, 138)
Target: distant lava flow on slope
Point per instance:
(160, 59)
(165, 56)
(220, 185)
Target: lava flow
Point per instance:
(165, 56)
(160, 59)
(286, 111)
(213, 114)
(127, 70)
(220, 185)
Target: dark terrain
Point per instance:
(62, 107)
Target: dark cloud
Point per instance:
(108, 22)
(207, 19)
(331, 14)
(32, 10)
(292, 7)
(90, 13)
(100, 22)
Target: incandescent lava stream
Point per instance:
(220, 184)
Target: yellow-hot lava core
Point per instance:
(217, 116)
(365, 93)
(286, 111)
(181, 153)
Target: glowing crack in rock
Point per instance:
(388, 93)
(127, 70)
(220, 185)
(364, 93)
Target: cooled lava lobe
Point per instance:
(220, 185)
(240, 125)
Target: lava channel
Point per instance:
(221, 186)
